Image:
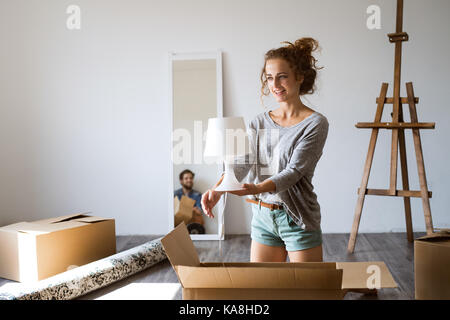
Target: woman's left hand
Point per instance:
(248, 188)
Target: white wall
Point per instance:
(84, 114)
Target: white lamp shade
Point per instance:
(225, 137)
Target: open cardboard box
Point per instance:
(31, 251)
(432, 266)
(270, 280)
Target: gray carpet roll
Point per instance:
(89, 277)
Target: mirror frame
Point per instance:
(173, 56)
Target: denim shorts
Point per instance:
(276, 228)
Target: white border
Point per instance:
(217, 55)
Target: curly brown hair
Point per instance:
(300, 59)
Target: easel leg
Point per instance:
(367, 167)
(405, 180)
(420, 162)
(362, 191)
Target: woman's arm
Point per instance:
(210, 198)
(217, 184)
(250, 188)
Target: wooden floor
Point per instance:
(160, 281)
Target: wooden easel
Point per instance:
(398, 140)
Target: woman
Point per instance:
(286, 214)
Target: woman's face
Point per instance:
(281, 80)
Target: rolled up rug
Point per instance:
(89, 277)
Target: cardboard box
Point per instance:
(183, 209)
(31, 251)
(432, 266)
(270, 280)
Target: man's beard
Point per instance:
(187, 187)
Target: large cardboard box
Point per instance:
(432, 266)
(31, 251)
(260, 281)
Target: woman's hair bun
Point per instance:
(307, 45)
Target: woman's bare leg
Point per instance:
(263, 253)
(308, 255)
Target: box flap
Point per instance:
(13, 227)
(91, 219)
(179, 247)
(183, 209)
(24, 227)
(69, 217)
(288, 277)
(442, 234)
(186, 202)
(357, 274)
(42, 228)
(31, 228)
(63, 218)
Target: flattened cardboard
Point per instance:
(31, 251)
(269, 280)
(356, 274)
(183, 209)
(432, 266)
(179, 247)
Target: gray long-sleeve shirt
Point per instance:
(287, 156)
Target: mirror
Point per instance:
(195, 90)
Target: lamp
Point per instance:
(220, 145)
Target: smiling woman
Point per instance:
(286, 213)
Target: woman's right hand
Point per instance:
(209, 200)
